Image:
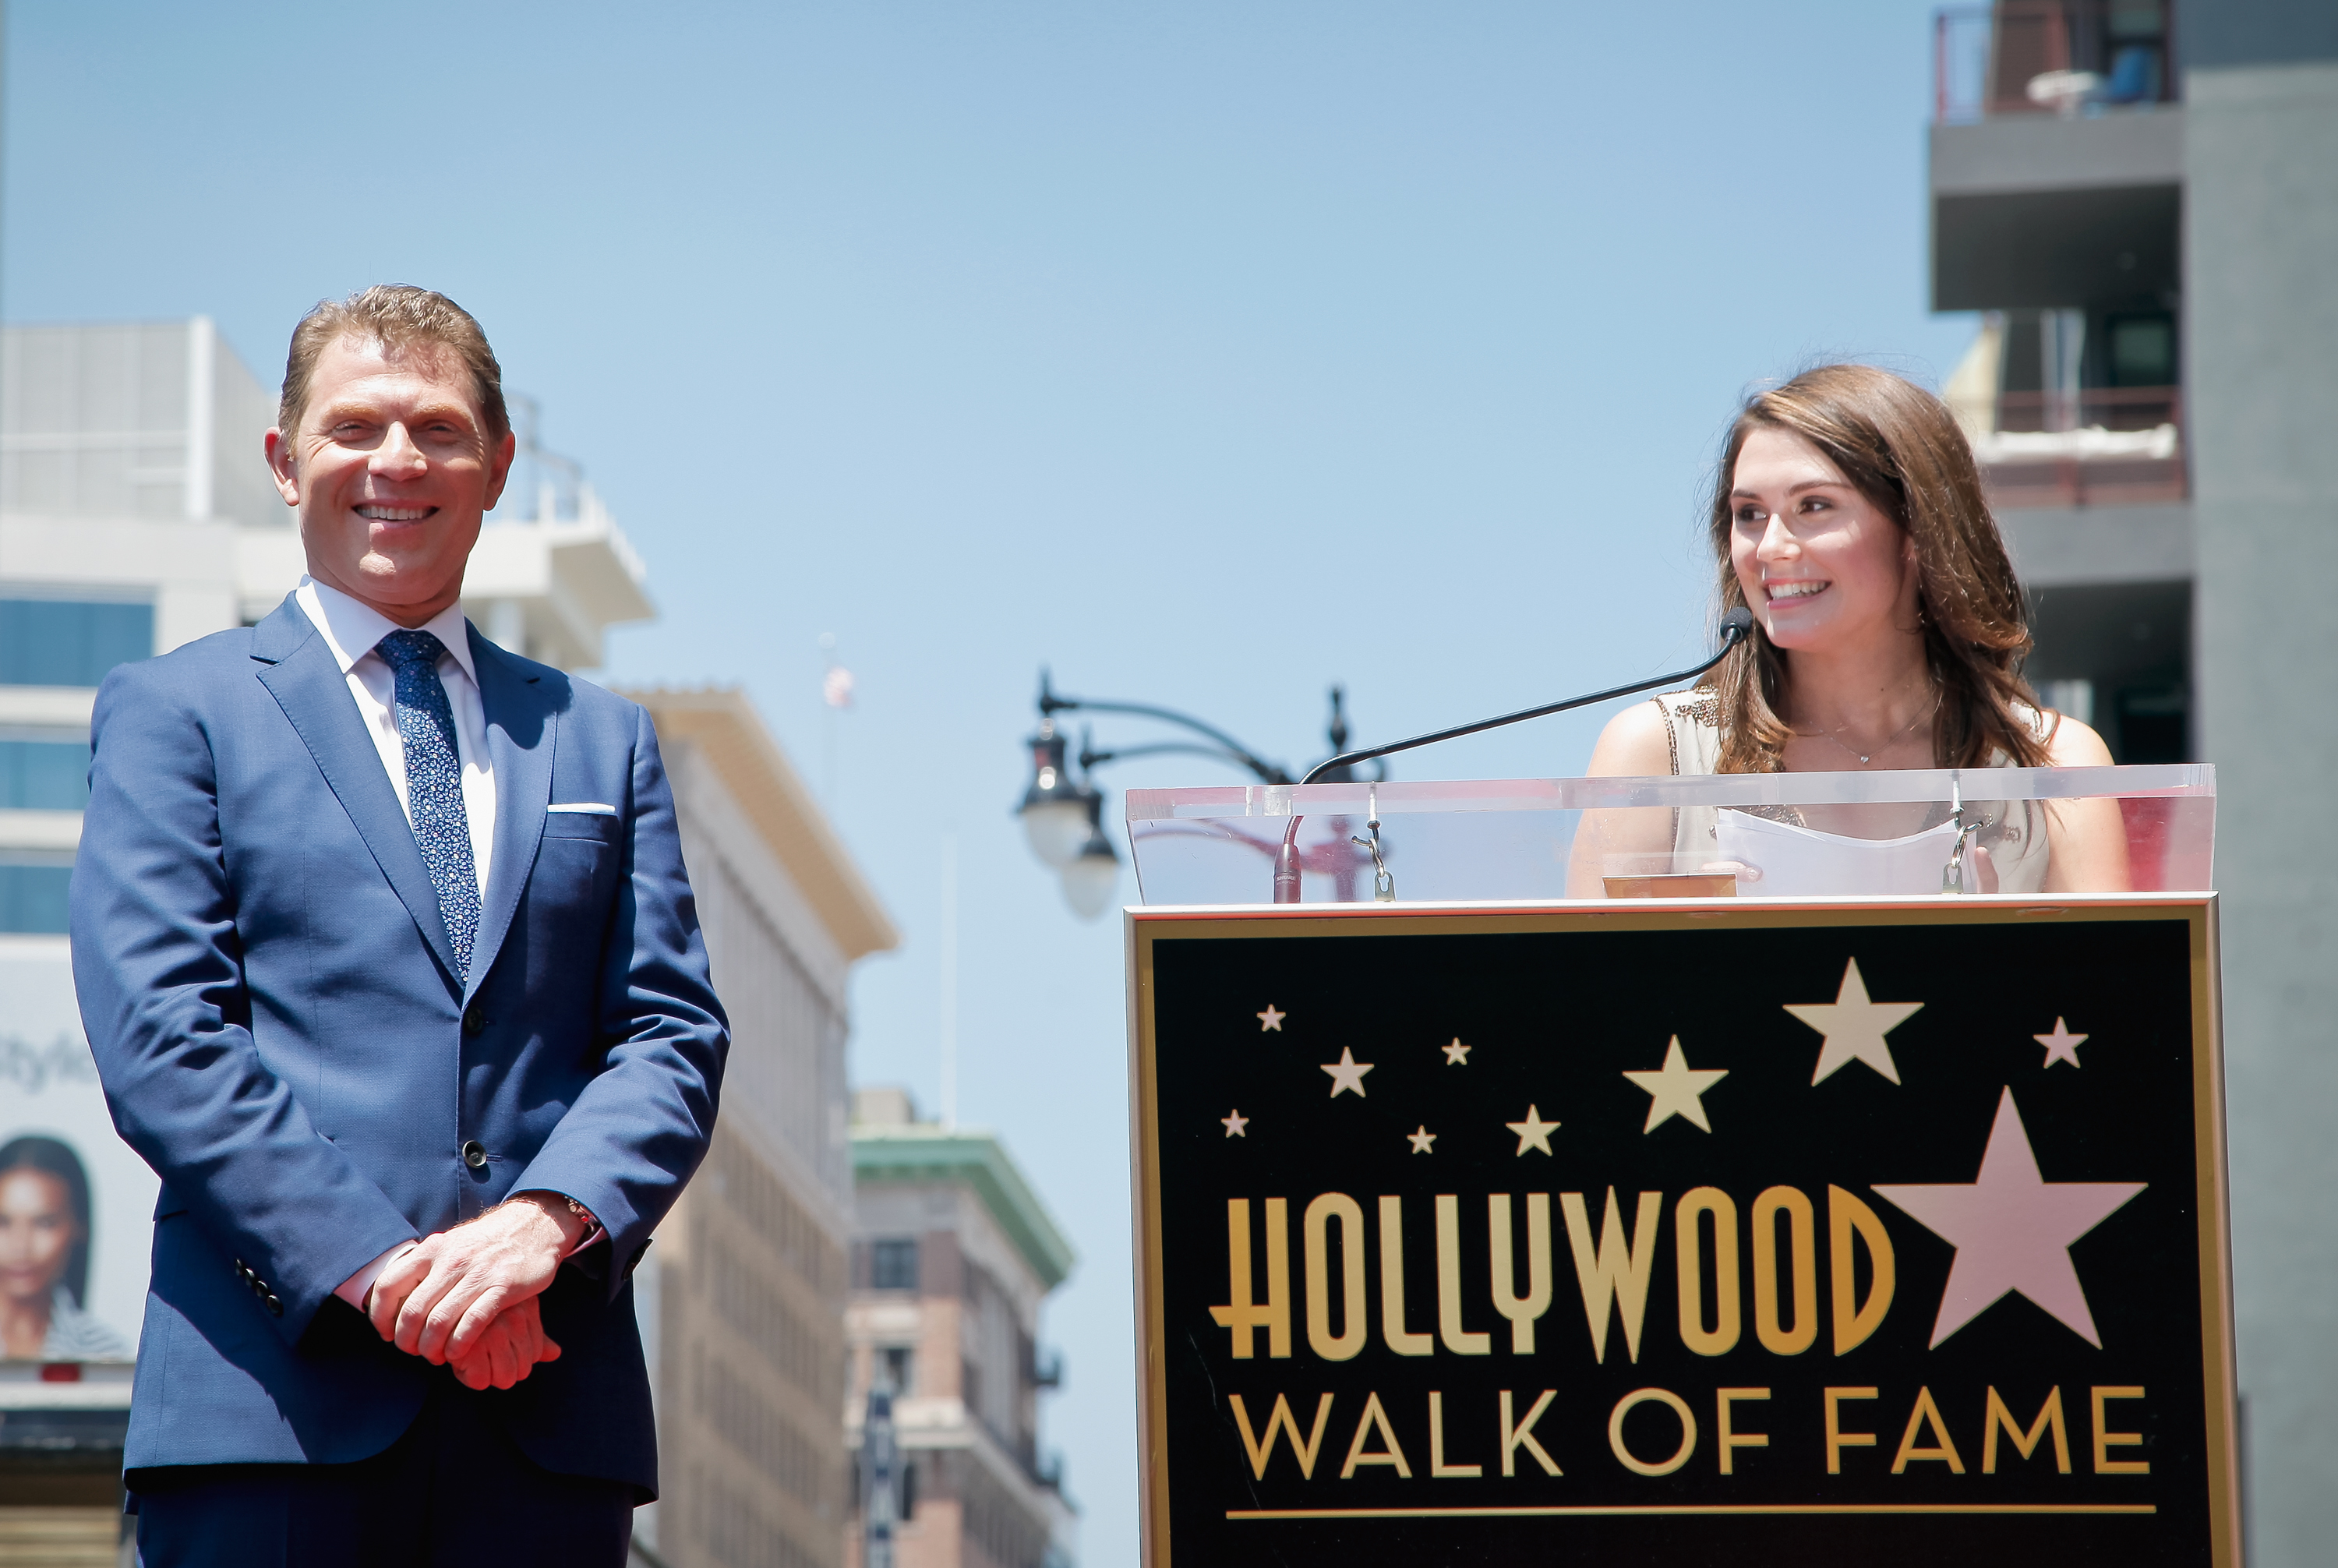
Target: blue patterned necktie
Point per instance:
(433, 784)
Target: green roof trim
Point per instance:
(923, 1153)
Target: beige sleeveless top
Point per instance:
(2013, 831)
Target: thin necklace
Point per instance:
(1886, 741)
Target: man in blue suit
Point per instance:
(392, 972)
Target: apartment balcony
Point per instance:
(2057, 157)
(2052, 57)
(2099, 447)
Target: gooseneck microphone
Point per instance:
(1736, 627)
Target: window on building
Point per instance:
(69, 642)
(893, 1265)
(898, 1365)
(2143, 350)
(43, 775)
(32, 897)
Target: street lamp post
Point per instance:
(1063, 811)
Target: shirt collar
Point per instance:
(351, 628)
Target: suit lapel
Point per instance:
(523, 724)
(300, 671)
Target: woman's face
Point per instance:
(36, 1234)
(1821, 565)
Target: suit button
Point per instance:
(474, 1155)
(275, 1307)
(474, 1020)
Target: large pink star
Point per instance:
(2013, 1231)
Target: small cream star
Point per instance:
(1456, 1054)
(1236, 1123)
(1674, 1090)
(1422, 1140)
(1534, 1132)
(1269, 1019)
(1347, 1073)
(1854, 1027)
(2060, 1046)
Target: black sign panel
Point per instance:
(1682, 1236)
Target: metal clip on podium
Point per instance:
(1765, 1169)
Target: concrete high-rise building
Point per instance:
(2143, 194)
(952, 1256)
(743, 1299)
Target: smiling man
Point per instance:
(390, 966)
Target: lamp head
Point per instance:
(1094, 871)
(1055, 814)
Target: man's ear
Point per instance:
(499, 466)
(279, 451)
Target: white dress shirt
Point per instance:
(352, 629)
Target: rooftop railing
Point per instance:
(2068, 57)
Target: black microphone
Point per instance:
(1736, 627)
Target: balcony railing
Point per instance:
(2068, 58)
(2101, 446)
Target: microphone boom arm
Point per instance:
(1736, 627)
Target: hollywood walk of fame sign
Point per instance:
(1725, 1233)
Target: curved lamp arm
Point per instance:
(1089, 759)
(1234, 750)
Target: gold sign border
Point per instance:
(1145, 927)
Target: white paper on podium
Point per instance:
(1797, 861)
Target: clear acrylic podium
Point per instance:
(1573, 838)
(1668, 1122)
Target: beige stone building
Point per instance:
(952, 1256)
(742, 1296)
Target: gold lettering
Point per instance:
(1438, 1467)
(1374, 1418)
(1721, 1338)
(1679, 1407)
(1313, 1229)
(1280, 1420)
(1803, 1259)
(1521, 1311)
(1730, 1437)
(1457, 1339)
(2049, 1414)
(1392, 1329)
(2106, 1440)
(1944, 1451)
(1240, 1315)
(1522, 1435)
(1614, 1273)
(1855, 1320)
(1837, 1439)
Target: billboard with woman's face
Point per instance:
(75, 1204)
(44, 1236)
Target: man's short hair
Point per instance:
(396, 315)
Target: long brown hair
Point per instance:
(1901, 448)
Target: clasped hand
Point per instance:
(466, 1297)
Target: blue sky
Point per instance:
(1208, 354)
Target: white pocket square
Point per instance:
(585, 808)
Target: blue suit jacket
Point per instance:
(274, 1007)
